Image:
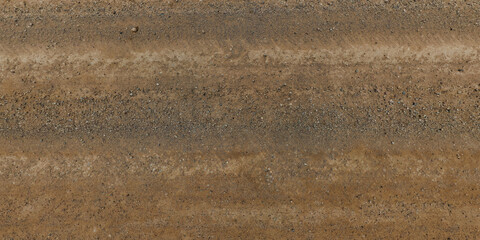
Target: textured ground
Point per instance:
(239, 119)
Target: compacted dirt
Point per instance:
(239, 119)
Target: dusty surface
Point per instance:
(240, 119)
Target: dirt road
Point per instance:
(239, 119)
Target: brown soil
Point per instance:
(239, 119)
